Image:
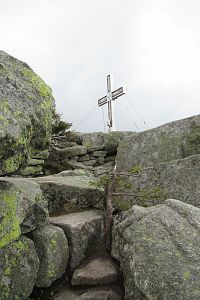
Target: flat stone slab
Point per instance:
(103, 293)
(98, 271)
(81, 229)
(75, 190)
(99, 295)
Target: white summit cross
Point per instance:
(109, 99)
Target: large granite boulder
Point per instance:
(178, 179)
(53, 252)
(26, 113)
(158, 250)
(22, 208)
(19, 265)
(175, 140)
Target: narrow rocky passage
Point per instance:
(91, 273)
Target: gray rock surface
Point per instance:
(103, 141)
(110, 292)
(158, 250)
(98, 271)
(81, 229)
(26, 113)
(53, 252)
(67, 152)
(168, 142)
(178, 179)
(18, 269)
(22, 208)
(99, 295)
(67, 293)
(71, 192)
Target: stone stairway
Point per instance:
(78, 209)
(91, 273)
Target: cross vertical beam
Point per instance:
(110, 122)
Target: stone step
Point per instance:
(98, 271)
(100, 294)
(81, 229)
(71, 190)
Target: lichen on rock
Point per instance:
(19, 266)
(22, 208)
(26, 113)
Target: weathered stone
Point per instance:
(22, 208)
(77, 172)
(84, 158)
(74, 158)
(35, 162)
(18, 269)
(40, 154)
(104, 169)
(31, 171)
(101, 160)
(26, 113)
(67, 294)
(71, 191)
(81, 229)
(169, 142)
(99, 153)
(67, 152)
(103, 141)
(178, 179)
(62, 142)
(93, 141)
(99, 295)
(54, 166)
(158, 250)
(110, 158)
(98, 271)
(79, 165)
(53, 252)
(91, 162)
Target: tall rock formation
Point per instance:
(26, 113)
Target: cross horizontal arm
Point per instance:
(115, 94)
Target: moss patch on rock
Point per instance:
(26, 114)
(10, 225)
(19, 266)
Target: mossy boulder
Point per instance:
(22, 208)
(26, 114)
(175, 140)
(19, 265)
(53, 252)
(158, 250)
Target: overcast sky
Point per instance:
(152, 47)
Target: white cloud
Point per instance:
(150, 46)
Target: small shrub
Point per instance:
(59, 126)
